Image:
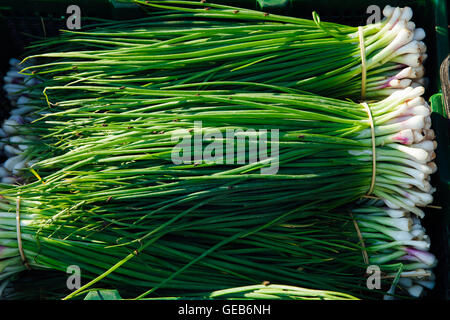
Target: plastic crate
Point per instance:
(38, 18)
(441, 124)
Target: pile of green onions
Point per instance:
(90, 164)
(109, 197)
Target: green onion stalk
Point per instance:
(186, 45)
(132, 187)
(265, 292)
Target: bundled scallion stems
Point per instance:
(178, 154)
(209, 252)
(185, 44)
(314, 139)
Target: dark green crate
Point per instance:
(441, 218)
(441, 124)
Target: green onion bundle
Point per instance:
(105, 191)
(161, 135)
(206, 251)
(185, 44)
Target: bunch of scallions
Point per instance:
(134, 186)
(206, 252)
(186, 44)
(231, 136)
